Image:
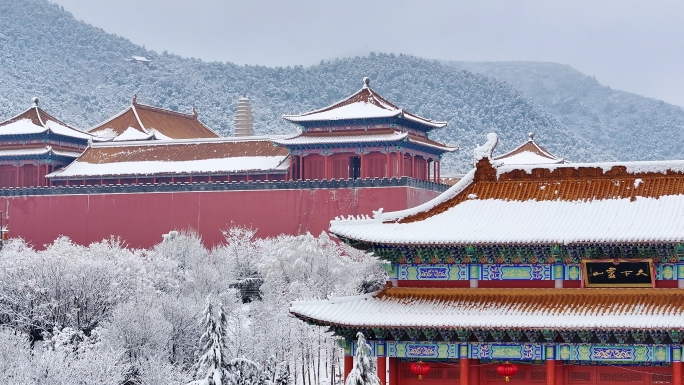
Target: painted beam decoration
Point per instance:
(618, 273)
(614, 353)
(568, 352)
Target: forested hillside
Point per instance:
(80, 74)
(628, 126)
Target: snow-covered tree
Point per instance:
(365, 370)
(210, 367)
(241, 371)
(277, 373)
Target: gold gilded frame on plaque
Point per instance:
(585, 275)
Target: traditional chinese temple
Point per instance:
(554, 273)
(140, 122)
(33, 144)
(150, 171)
(364, 136)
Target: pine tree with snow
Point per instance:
(365, 370)
(210, 367)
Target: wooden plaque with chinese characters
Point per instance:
(618, 273)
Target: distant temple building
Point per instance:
(364, 136)
(556, 274)
(529, 153)
(141, 122)
(244, 121)
(150, 171)
(33, 144)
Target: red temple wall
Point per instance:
(140, 219)
(449, 373)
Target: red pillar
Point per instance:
(291, 167)
(325, 167)
(393, 370)
(301, 168)
(413, 166)
(677, 373)
(382, 370)
(388, 172)
(550, 372)
(427, 170)
(464, 365)
(439, 171)
(363, 166)
(16, 179)
(400, 166)
(348, 365)
(475, 372)
(434, 167)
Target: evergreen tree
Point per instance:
(211, 364)
(365, 370)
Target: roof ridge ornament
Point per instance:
(486, 150)
(35, 101)
(366, 82)
(135, 99)
(531, 136)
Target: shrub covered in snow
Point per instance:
(137, 315)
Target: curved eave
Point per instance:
(301, 146)
(50, 156)
(46, 135)
(399, 118)
(432, 145)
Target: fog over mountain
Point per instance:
(627, 126)
(81, 75)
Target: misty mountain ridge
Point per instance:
(80, 74)
(627, 126)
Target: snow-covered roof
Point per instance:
(38, 151)
(363, 137)
(364, 104)
(145, 119)
(529, 153)
(574, 309)
(222, 155)
(631, 202)
(36, 121)
(372, 136)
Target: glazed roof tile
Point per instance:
(364, 104)
(529, 153)
(144, 118)
(36, 121)
(631, 202)
(177, 157)
(566, 309)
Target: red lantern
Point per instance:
(507, 370)
(420, 368)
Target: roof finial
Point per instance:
(35, 101)
(194, 112)
(135, 98)
(366, 82)
(531, 136)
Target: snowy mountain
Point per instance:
(628, 126)
(83, 76)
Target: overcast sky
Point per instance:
(636, 46)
